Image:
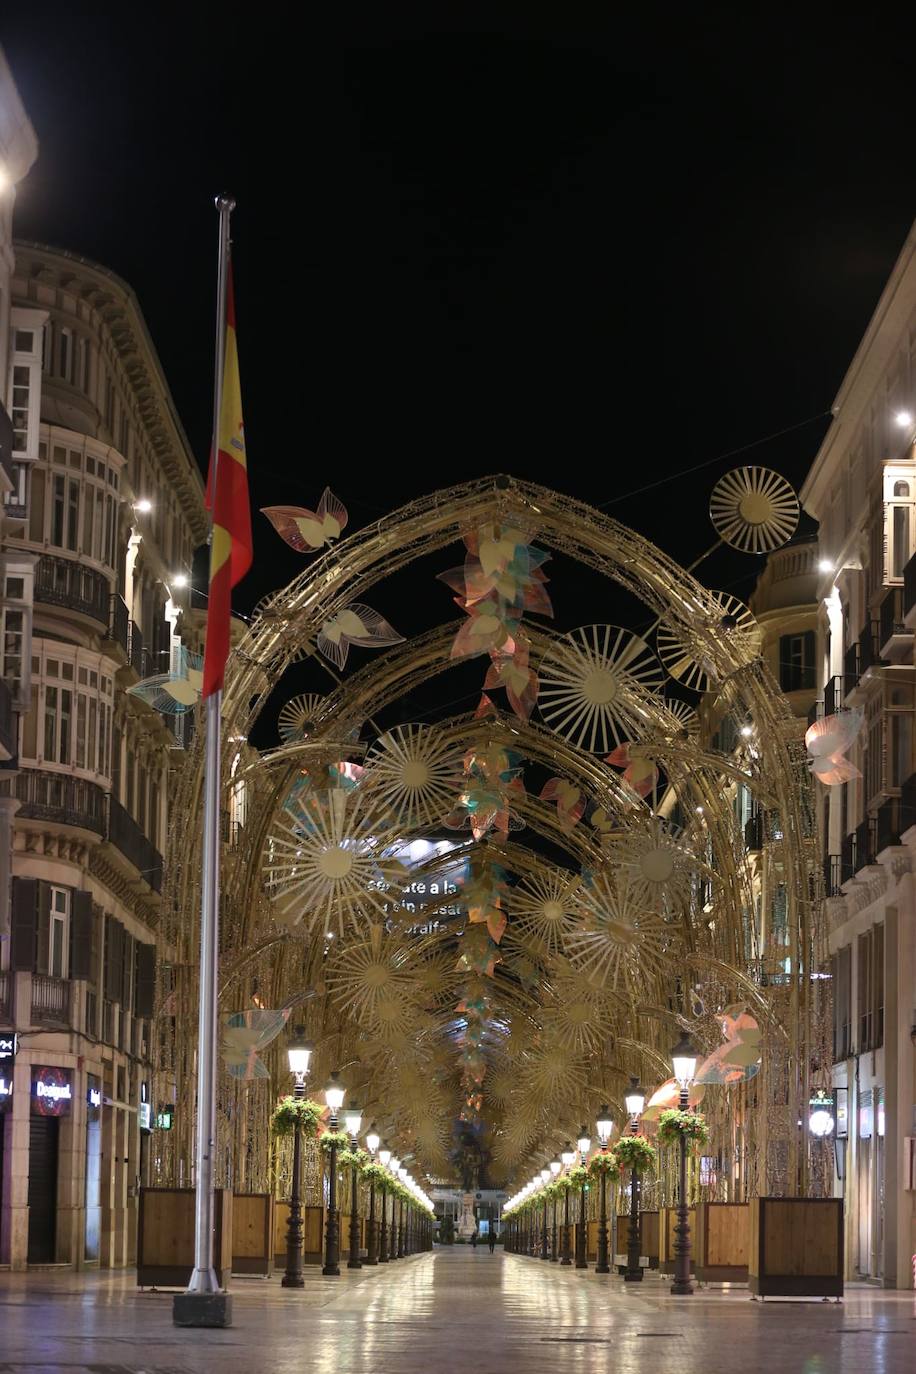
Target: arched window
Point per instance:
(901, 488)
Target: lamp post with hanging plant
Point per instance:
(568, 1158)
(601, 1165)
(635, 1153)
(371, 1172)
(293, 1114)
(332, 1141)
(353, 1119)
(579, 1179)
(684, 1062)
(384, 1159)
(555, 1167)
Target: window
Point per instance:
(59, 932)
(870, 989)
(899, 518)
(842, 1004)
(74, 506)
(73, 704)
(16, 634)
(66, 355)
(796, 662)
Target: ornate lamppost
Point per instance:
(604, 1125)
(555, 1167)
(373, 1140)
(334, 1095)
(584, 1144)
(545, 1179)
(353, 1119)
(402, 1251)
(684, 1062)
(299, 1053)
(384, 1158)
(568, 1158)
(634, 1102)
(393, 1245)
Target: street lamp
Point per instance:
(384, 1158)
(373, 1140)
(334, 1095)
(684, 1057)
(299, 1053)
(555, 1167)
(604, 1125)
(583, 1144)
(634, 1102)
(402, 1251)
(568, 1158)
(353, 1119)
(545, 1178)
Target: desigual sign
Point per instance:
(52, 1092)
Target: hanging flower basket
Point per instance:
(289, 1110)
(606, 1164)
(331, 1138)
(378, 1175)
(577, 1178)
(635, 1152)
(350, 1159)
(675, 1125)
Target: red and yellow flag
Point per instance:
(227, 497)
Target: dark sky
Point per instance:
(589, 250)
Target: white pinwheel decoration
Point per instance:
(827, 741)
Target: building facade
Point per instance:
(862, 491)
(102, 512)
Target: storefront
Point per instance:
(51, 1103)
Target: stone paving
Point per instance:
(454, 1311)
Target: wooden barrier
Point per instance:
(165, 1237)
(252, 1234)
(796, 1247)
(591, 1241)
(720, 1244)
(666, 1238)
(648, 1236)
(312, 1234)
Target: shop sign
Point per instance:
(9, 1043)
(52, 1092)
(164, 1116)
(93, 1098)
(146, 1116)
(6, 1089)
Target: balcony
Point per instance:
(887, 824)
(119, 622)
(60, 798)
(908, 804)
(50, 1000)
(851, 670)
(60, 582)
(753, 833)
(127, 837)
(909, 594)
(9, 742)
(137, 653)
(6, 445)
(865, 846)
(837, 871)
(895, 638)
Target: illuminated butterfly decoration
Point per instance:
(569, 799)
(827, 741)
(668, 1095)
(305, 530)
(355, 624)
(243, 1034)
(738, 1057)
(640, 773)
(177, 692)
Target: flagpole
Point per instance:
(204, 1303)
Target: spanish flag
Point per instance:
(227, 497)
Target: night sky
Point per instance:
(595, 252)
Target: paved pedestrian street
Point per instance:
(450, 1312)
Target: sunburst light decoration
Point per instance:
(682, 650)
(372, 980)
(754, 510)
(415, 774)
(621, 941)
(175, 692)
(547, 906)
(687, 721)
(576, 1012)
(330, 865)
(305, 530)
(295, 721)
(655, 863)
(591, 684)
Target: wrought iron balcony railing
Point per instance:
(59, 797)
(62, 582)
(127, 837)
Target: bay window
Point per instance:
(899, 519)
(70, 720)
(74, 501)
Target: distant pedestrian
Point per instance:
(474, 1240)
(491, 1241)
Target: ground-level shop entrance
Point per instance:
(44, 1133)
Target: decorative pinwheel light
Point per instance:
(296, 717)
(683, 650)
(547, 907)
(414, 774)
(621, 942)
(306, 530)
(176, 692)
(827, 741)
(591, 683)
(654, 862)
(754, 509)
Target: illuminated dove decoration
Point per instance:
(306, 530)
(355, 624)
(667, 1096)
(173, 693)
(242, 1034)
(738, 1057)
(827, 741)
(640, 772)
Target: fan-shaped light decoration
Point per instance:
(547, 906)
(577, 1016)
(305, 530)
(553, 1074)
(296, 716)
(328, 865)
(591, 683)
(355, 624)
(620, 941)
(657, 865)
(827, 741)
(176, 692)
(243, 1033)
(414, 774)
(688, 722)
(684, 652)
(371, 980)
(754, 509)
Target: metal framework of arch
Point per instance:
(389, 1005)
